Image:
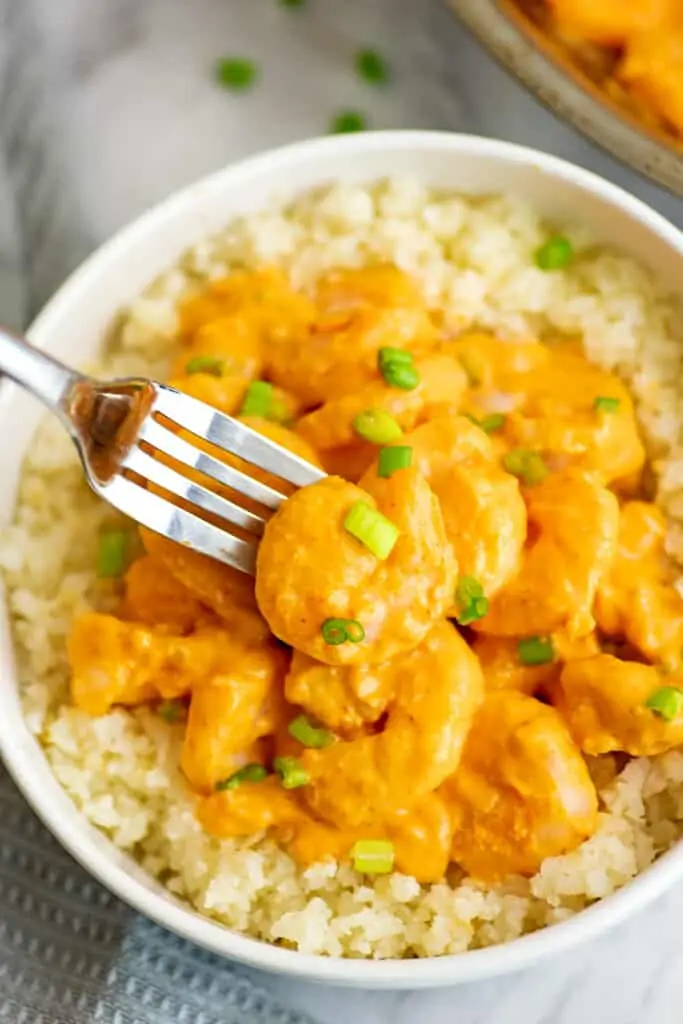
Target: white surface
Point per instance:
(140, 115)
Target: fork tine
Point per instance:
(165, 441)
(234, 437)
(150, 468)
(160, 515)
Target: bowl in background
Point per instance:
(74, 325)
(523, 49)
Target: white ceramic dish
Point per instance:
(73, 325)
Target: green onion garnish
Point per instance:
(292, 3)
(371, 528)
(371, 66)
(341, 631)
(257, 400)
(528, 466)
(472, 603)
(308, 734)
(555, 254)
(666, 701)
(392, 459)
(388, 355)
(172, 711)
(377, 426)
(373, 856)
(205, 364)
(397, 367)
(604, 404)
(536, 650)
(494, 421)
(236, 73)
(291, 771)
(250, 773)
(112, 554)
(346, 122)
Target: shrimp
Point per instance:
(573, 524)
(227, 395)
(605, 704)
(360, 312)
(438, 688)
(115, 662)
(653, 69)
(496, 365)
(232, 343)
(442, 380)
(154, 596)
(235, 705)
(561, 415)
(503, 669)
(610, 22)
(343, 698)
(483, 510)
(522, 791)
(636, 599)
(421, 838)
(310, 568)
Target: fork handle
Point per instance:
(41, 375)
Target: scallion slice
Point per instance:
(309, 735)
(666, 701)
(257, 400)
(112, 554)
(392, 459)
(556, 254)
(291, 771)
(348, 121)
(236, 73)
(536, 650)
(397, 356)
(373, 856)
(371, 66)
(377, 427)
(527, 465)
(372, 529)
(249, 773)
(603, 403)
(205, 364)
(471, 600)
(341, 631)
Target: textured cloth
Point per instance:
(70, 952)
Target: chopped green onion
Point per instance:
(257, 400)
(236, 73)
(536, 650)
(309, 735)
(292, 3)
(377, 426)
(400, 375)
(373, 856)
(341, 631)
(555, 254)
(348, 121)
(372, 529)
(371, 66)
(392, 459)
(471, 600)
(400, 356)
(172, 711)
(604, 404)
(250, 773)
(291, 771)
(112, 554)
(528, 466)
(492, 422)
(205, 364)
(666, 701)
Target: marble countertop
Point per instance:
(135, 114)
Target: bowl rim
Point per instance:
(602, 122)
(23, 759)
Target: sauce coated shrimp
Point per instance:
(573, 524)
(311, 569)
(522, 791)
(342, 697)
(438, 688)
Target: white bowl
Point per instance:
(72, 327)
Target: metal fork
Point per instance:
(118, 426)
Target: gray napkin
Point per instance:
(71, 953)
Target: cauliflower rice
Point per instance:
(474, 258)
